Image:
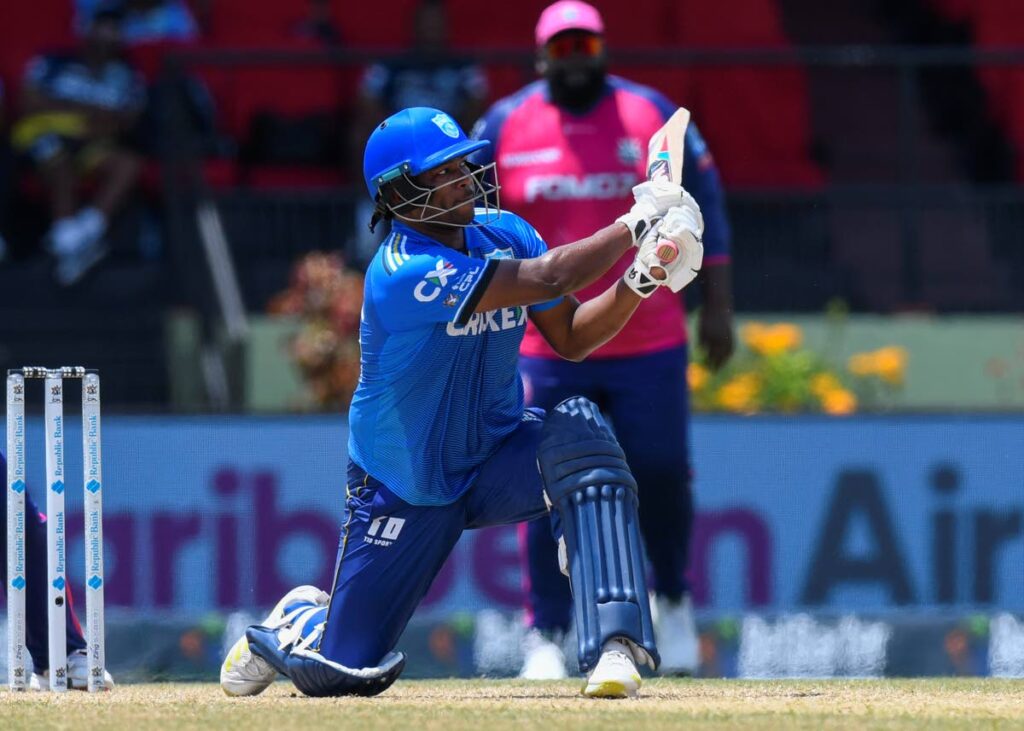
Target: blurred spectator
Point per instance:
(428, 75)
(78, 112)
(318, 25)
(611, 121)
(143, 21)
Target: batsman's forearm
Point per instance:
(573, 266)
(597, 321)
(557, 273)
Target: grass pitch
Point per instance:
(490, 705)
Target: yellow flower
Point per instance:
(772, 339)
(753, 333)
(786, 336)
(862, 364)
(697, 376)
(824, 383)
(891, 363)
(740, 393)
(839, 402)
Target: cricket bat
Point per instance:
(665, 162)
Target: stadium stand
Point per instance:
(756, 119)
(779, 134)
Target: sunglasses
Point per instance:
(585, 44)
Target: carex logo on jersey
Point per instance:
(383, 531)
(596, 186)
(433, 281)
(492, 321)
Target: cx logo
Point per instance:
(434, 280)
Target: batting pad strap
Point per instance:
(637, 224)
(315, 675)
(586, 463)
(263, 642)
(589, 483)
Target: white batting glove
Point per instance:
(684, 227)
(653, 198)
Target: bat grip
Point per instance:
(667, 251)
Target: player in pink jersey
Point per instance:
(576, 141)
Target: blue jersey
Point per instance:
(439, 388)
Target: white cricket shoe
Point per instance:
(242, 672)
(615, 675)
(78, 672)
(675, 631)
(78, 675)
(544, 657)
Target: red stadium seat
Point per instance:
(503, 80)
(290, 177)
(636, 24)
(1000, 24)
(742, 24)
(376, 24)
(252, 22)
(958, 11)
(289, 90)
(31, 28)
(148, 58)
(499, 25)
(757, 121)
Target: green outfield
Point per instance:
(488, 705)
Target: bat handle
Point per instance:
(667, 251)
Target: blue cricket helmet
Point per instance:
(412, 141)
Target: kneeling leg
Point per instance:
(389, 553)
(589, 484)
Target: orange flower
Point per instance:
(891, 363)
(786, 336)
(753, 333)
(839, 402)
(740, 393)
(697, 376)
(772, 339)
(824, 383)
(862, 364)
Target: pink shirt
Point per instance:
(572, 175)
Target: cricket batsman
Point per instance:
(575, 140)
(440, 439)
